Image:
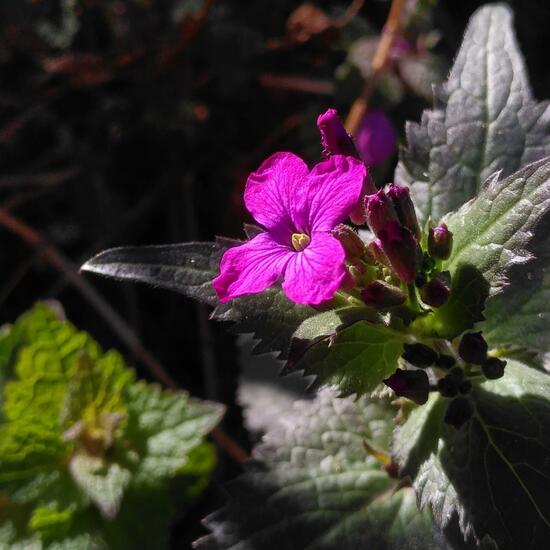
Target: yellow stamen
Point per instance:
(300, 241)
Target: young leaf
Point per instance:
(356, 359)
(162, 428)
(494, 471)
(315, 485)
(485, 120)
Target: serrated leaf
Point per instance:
(314, 485)
(494, 472)
(189, 269)
(501, 235)
(162, 428)
(485, 120)
(356, 359)
(102, 481)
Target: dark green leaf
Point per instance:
(485, 120)
(356, 359)
(494, 472)
(314, 485)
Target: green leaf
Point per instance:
(469, 290)
(494, 472)
(501, 235)
(189, 269)
(485, 120)
(314, 485)
(356, 359)
(162, 428)
(103, 482)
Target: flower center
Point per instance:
(300, 241)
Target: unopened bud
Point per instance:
(352, 243)
(404, 207)
(473, 348)
(375, 253)
(445, 361)
(402, 250)
(419, 355)
(435, 293)
(440, 242)
(359, 214)
(493, 368)
(380, 211)
(334, 138)
(381, 295)
(447, 386)
(459, 411)
(412, 384)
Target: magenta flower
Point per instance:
(299, 209)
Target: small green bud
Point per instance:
(447, 386)
(381, 295)
(352, 243)
(435, 293)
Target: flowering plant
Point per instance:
(428, 327)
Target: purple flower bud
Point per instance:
(375, 139)
(334, 138)
(440, 242)
(473, 348)
(381, 295)
(380, 211)
(359, 214)
(404, 207)
(493, 368)
(375, 253)
(435, 293)
(402, 250)
(413, 384)
(352, 243)
(419, 355)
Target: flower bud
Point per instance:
(445, 361)
(376, 139)
(400, 196)
(412, 384)
(381, 295)
(352, 243)
(435, 293)
(359, 214)
(459, 411)
(380, 211)
(440, 242)
(493, 368)
(375, 252)
(447, 386)
(473, 348)
(402, 250)
(334, 138)
(419, 355)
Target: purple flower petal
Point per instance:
(251, 267)
(376, 139)
(275, 194)
(315, 274)
(334, 187)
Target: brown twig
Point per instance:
(56, 259)
(350, 13)
(297, 84)
(379, 62)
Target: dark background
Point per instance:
(124, 123)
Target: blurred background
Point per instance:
(128, 122)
